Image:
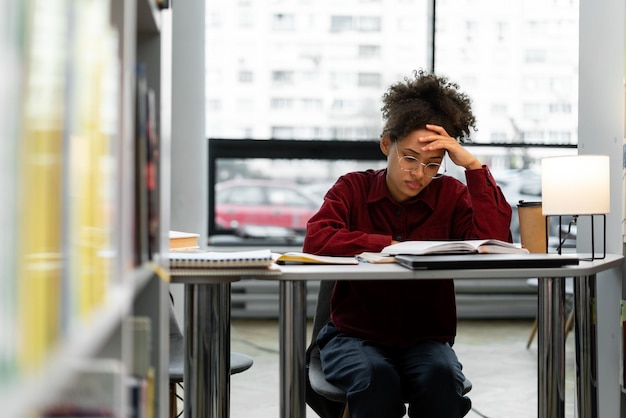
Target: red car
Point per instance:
(262, 203)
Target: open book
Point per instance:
(375, 258)
(481, 246)
(305, 258)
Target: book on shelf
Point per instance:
(220, 259)
(140, 379)
(98, 391)
(41, 161)
(478, 246)
(153, 152)
(294, 257)
(141, 204)
(183, 240)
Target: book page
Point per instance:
(492, 246)
(376, 258)
(431, 247)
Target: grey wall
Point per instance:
(189, 145)
(601, 121)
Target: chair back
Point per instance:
(323, 406)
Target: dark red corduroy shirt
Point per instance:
(359, 214)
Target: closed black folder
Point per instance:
(485, 261)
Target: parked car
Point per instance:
(269, 203)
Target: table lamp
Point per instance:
(577, 185)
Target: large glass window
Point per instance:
(518, 61)
(298, 70)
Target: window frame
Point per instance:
(362, 150)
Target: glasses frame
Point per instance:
(423, 166)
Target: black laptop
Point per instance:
(485, 261)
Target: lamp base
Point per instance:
(562, 237)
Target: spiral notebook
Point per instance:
(219, 259)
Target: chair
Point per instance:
(238, 363)
(569, 307)
(326, 399)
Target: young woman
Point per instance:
(390, 342)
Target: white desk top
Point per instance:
(392, 271)
(367, 271)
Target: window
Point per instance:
(341, 23)
(304, 74)
(245, 76)
(311, 104)
(535, 56)
(535, 72)
(369, 24)
(283, 22)
(366, 51)
(564, 108)
(282, 103)
(369, 80)
(282, 132)
(281, 76)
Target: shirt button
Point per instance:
(398, 212)
(398, 237)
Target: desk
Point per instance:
(551, 335)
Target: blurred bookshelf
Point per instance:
(73, 273)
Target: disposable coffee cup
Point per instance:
(532, 227)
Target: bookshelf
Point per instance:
(72, 274)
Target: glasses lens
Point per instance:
(432, 169)
(408, 163)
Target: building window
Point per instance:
(535, 56)
(370, 80)
(560, 137)
(498, 137)
(369, 24)
(564, 108)
(213, 104)
(311, 104)
(282, 76)
(282, 103)
(368, 51)
(245, 76)
(341, 23)
(282, 132)
(282, 21)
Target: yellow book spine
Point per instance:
(40, 175)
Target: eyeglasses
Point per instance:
(410, 164)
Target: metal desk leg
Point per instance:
(551, 348)
(586, 346)
(292, 349)
(207, 350)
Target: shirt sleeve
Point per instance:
(491, 211)
(330, 230)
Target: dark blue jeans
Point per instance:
(379, 381)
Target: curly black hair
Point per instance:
(427, 99)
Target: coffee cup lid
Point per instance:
(524, 204)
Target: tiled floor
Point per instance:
(493, 352)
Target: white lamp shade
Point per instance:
(575, 185)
